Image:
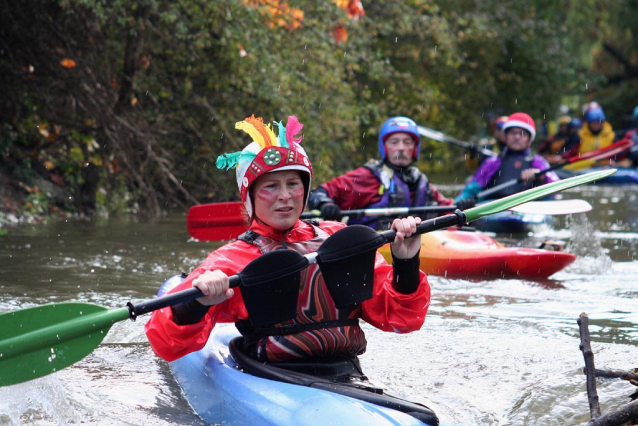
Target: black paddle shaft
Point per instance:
(170, 300)
(498, 188)
(458, 218)
(607, 153)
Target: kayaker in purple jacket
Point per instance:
(515, 162)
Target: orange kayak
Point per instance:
(455, 253)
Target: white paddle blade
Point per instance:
(553, 207)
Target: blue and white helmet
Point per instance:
(575, 123)
(635, 115)
(396, 125)
(595, 114)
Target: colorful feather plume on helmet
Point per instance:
(269, 152)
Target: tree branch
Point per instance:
(617, 417)
(630, 70)
(617, 374)
(134, 42)
(585, 347)
(620, 58)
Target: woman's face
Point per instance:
(279, 198)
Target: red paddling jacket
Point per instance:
(388, 310)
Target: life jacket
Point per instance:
(319, 328)
(633, 155)
(556, 145)
(590, 141)
(512, 164)
(394, 193)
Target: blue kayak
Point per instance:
(221, 392)
(623, 176)
(513, 222)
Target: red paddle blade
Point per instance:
(609, 151)
(216, 222)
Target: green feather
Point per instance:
(247, 155)
(228, 161)
(282, 134)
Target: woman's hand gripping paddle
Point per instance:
(38, 341)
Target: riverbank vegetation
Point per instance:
(122, 106)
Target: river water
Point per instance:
(491, 352)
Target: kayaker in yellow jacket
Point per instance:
(595, 134)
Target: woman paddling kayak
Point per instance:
(273, 176)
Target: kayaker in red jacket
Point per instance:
(274, 176)
(392, 181)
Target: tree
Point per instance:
(129, 102)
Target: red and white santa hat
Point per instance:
(522, 120)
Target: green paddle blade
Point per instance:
(497, 206)
(38, 341)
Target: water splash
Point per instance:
(41, 401)
(592, 258)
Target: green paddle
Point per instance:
(40, 340)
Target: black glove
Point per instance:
(472, 151)
(466, 203)
(330, 211)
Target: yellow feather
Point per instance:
(252, 131)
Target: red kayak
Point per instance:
(456, 253)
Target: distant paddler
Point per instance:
(391, 181)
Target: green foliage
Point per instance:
(159, 84)
(604, 39)
(36, 204)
